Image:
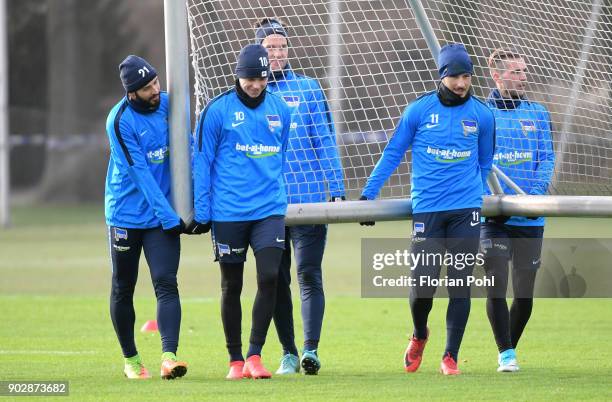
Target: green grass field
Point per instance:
(55, 326)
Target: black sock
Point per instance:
(267, 261)
(231, 310)
(456, 320)
(499, 318)
(519, 315)
(124, 277)
(520, 312)
(235, 354)
(421, 299)
(497, 308)
(254, 350)
(311, 344)
(420, 308)
(283, 310)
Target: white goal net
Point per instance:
(371, 59)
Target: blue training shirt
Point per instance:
(312, 155)
(524, 149)
(238, 159)
(137, 192)
(452, 153)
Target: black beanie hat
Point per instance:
(253, 62)
(454, 60)
(135, 73)
(269, 27)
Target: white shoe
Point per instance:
(507, 362)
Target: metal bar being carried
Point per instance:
(401, 209)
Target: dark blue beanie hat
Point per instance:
(454, 60)
(269, 27)
(253, 62)
(135, 73)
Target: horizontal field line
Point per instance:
(48, 352)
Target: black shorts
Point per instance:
(435, 234)
(231, 240)
(521, 244)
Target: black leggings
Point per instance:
(508, 325)
(267, 261)
(162, 252)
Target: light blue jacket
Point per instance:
(238, 159)
(312, 155)
(137, 192)
(524, 149)
(452, 153)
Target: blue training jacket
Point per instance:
(452, 153)
(238, 159)
(524, 149)
(312, 155)
(137, 193)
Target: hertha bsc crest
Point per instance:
(469, 127)
(527, 126)
(274, 121)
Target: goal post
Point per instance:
(177, 73)
(5, 177)
(372, 58)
